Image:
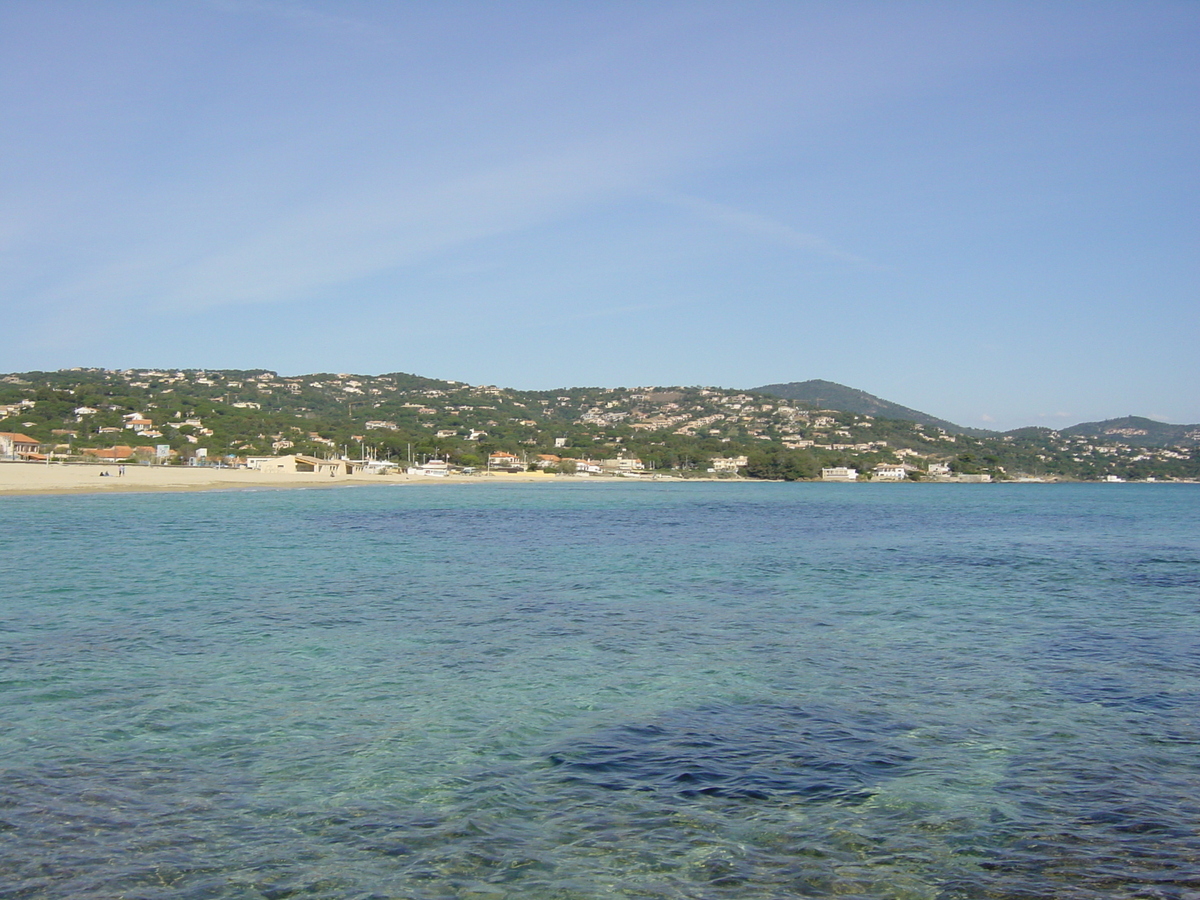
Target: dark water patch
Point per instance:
(1113, 691)
(1167, 571)
(1139, 670)
(748, 751)
(1087, 821)
(121, 826)
(1166, 579)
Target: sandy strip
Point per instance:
(66, 478)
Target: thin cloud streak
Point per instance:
(375, 228)
(761, 226)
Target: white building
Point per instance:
(839, 473)
(433, 468)
(729, 464)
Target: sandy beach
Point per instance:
(70, 478)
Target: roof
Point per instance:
(18, 438)
(313, 461)
(118, 452)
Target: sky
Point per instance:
(986, 211)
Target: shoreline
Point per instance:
(36, 478)
(18, 479)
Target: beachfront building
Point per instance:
(432, 468)
(503, 461)
(16, 446)
(622, 465)
(889, 472)
(729, 463)
(297, 463)
(110, 454)
(839, 473)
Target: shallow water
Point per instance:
(597, 690)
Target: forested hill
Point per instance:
(831, 395)
(188, 416)
(1137, 430)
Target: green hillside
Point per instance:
(204, 417)
(831, 395)
(1138, 431)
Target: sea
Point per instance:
(575, 690)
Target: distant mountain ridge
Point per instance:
(1129, 430)
(831, 395)
(1137, 430)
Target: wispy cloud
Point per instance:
(761, 226)
(382, 222)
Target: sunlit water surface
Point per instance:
(581, 690)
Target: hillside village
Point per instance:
(260, 418)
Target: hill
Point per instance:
(1138, 431)
(199, 417)
(831, 395)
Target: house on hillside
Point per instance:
(138, 423)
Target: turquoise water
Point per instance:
(578, 691)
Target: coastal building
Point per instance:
(110, 454)
(504, 461)
(729, 463)
(622, 465)
(297, 463)
(889, 472)
(839, 473)
(16, 446)
(434, 468)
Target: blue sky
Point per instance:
(987, 211)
